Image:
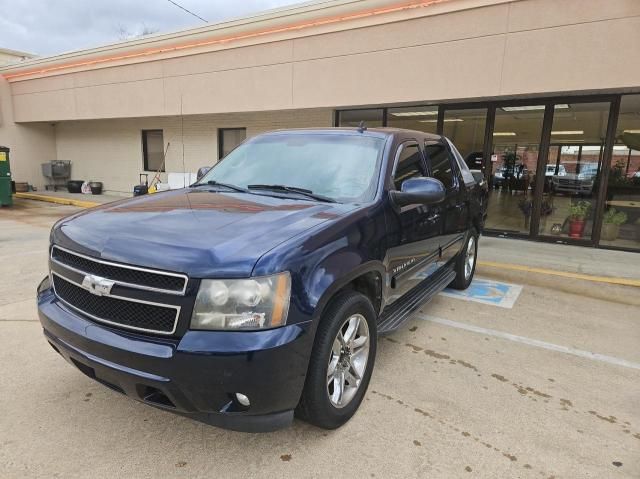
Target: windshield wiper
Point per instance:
(229, 186)
(293, 189)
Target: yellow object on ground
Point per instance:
(58, 200)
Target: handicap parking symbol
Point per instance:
(486, 291)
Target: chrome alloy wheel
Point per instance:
(348, 360)
(470, 257)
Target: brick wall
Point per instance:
(111, 150)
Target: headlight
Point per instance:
(242, 304)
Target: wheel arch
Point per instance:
(366, 279)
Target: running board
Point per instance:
(394, 315)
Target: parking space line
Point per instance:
(532, 342)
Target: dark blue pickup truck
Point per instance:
(260, 291)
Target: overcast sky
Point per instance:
(47, 27)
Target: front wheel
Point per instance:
(465, 265)
(341, 362)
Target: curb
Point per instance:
(57, 200)
(564, 274)
(617, 290)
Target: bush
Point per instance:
(614, 217)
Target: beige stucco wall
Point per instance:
(31, 144)
(453, 50)
(111, 150)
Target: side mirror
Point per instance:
(202, 171)
(419, 191)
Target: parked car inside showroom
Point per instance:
(260, 291)
(579, 183)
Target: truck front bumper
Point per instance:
(197, 375)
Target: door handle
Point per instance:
(433, 217)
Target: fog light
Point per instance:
(243, 400)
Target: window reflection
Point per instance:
(420, 118)
(621, 220)
(516, 142)
(572, 172)
(466, 129)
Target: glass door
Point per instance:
(573, 171)
(621, 221)
(466, 129)
(517, 134)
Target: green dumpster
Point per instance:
(5, 178)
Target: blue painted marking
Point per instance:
(487, 291)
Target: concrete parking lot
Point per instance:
(549, 388)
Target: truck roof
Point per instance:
(381, 132)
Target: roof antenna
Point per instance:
(361, 126)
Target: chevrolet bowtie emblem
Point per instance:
(97, 285)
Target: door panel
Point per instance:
(414, 231)
(453, 210)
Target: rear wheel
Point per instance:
(341, 362)
(465, 265)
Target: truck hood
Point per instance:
(193, 231)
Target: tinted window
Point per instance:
(440, 162)
(229, 138)
(409, 164)
(153, 150)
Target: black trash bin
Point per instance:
(74, 186)
(96, 187)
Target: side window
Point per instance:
(409, 164)
(440, 161)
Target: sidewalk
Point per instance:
(552, 256)
(66, 198)
(598, 273)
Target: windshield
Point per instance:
(338, 166)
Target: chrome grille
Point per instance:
(110, 293)
(132, 276)
(116, 310)
(569, 182)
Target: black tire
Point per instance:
(463, 279)
(315, 405)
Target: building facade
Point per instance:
(542, 95)
(8, 57)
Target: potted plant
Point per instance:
(578, 213)
(526, 206)
(611, 222)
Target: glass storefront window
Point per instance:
(466, 129)
(621, 220)
(372, 117)
(572, 172)
(421, 118)
(516, 141)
